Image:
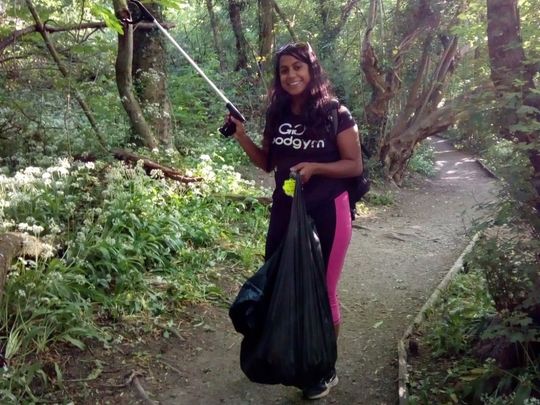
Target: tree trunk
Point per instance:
(421, 116)
(150, 78)
(266, 32)
(513, 82)
(399, 149)
(124, 82)
(218, 44)
(235, 8)
(385, 82)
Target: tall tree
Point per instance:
(384, 79)
(150, 77)
(266, 32)
(421, 114)
(514, 83)
(124, 81)
(216, 37)
(235, 10)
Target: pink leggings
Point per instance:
(336, 259)
(333, 223)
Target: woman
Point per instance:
(298, 137)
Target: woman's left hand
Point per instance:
(305, 170)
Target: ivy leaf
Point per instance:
(108, 17)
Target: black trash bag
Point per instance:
(248, 311)
(287, 323)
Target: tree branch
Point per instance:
(63, 70)
(285, 21)
(150, 165)
(12, 37)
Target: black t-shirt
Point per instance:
(292, 141)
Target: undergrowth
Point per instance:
(471, 352)
(117, 244)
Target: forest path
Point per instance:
(396, 259)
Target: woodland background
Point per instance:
(111, 242)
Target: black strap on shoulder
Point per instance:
(335, 120)
(331, 108)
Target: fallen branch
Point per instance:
(150, 165)
(171, 367)
(142, 392)
(172, 330)
(246, 198)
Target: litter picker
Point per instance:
(139, 13)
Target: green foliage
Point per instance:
(383, 198)
(130, 244)
(48, 200)
(502, 272)
(449, 372)
(458, 315)
(42, 305)
(507, 258)
(107, 15)
(423, 160)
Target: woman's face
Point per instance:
(293, 75)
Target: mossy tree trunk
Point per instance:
(150, 77)
(519, 115)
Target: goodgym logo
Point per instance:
(289, 129)
(293, 140)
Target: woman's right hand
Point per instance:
(240, 128)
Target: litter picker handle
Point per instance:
(139, 13)
(230, 127)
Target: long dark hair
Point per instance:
(319, 89)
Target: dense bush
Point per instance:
(120, 243)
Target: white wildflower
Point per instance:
(64, 163)
(36, 229)
(48, 251)
(54, 228)
(32, 171)
(156, 173)
(80, 279)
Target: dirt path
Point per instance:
(396, 259)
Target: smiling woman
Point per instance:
(298, 137)
(294, 77)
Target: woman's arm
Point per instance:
(349, 165)
(257, 155)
